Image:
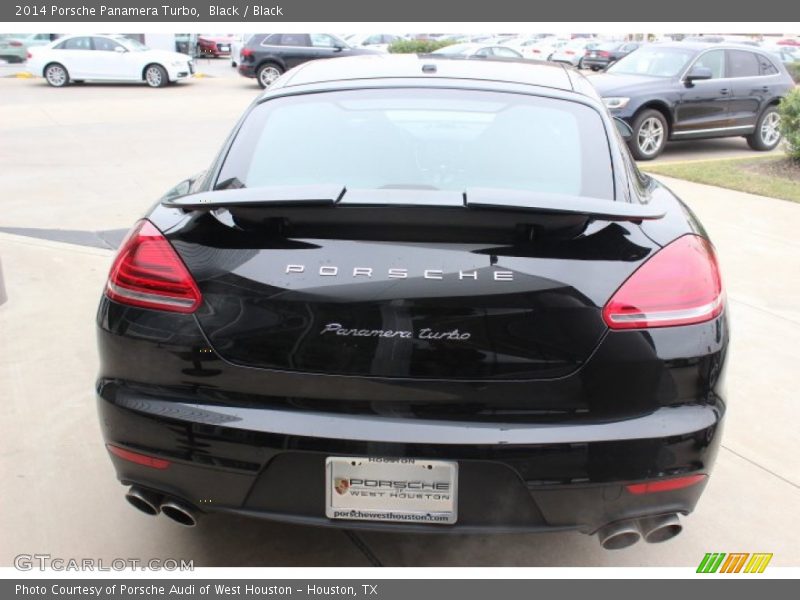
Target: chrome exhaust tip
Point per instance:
(616, 536)
(179, 512)
(143, 500)
(660, 529)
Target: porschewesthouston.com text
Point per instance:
(243, 10)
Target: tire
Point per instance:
(650, 132)
(593, 68)
(267, 73)
(155, 76)
(56, 75)
(581, 65)
(767, 134)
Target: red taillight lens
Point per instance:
(679, 285)
(570, 52)
(30, 55)
(603, 53)
(139, 459)
(15, 44)
(664, 485)
(148, 273)
(246, 52)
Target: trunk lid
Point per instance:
(430, 288)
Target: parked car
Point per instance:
(477, 51)
(214, 45)
(573, 52)
(542, 49)
(266, 56)
(12, 49)
(605, 54)
(77, 58)
(684, 90)
(374, 41)
(373, 289)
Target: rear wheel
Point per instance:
(268, 73)
(768, 132)
(649, 135)
(56, 75)
(156, 76)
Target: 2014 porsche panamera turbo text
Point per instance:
(418, 294)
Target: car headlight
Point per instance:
(616, 102)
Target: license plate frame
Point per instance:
(394, 490)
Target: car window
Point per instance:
(483, 52)
(294, 39)
(654, 62)
(714, 60)
(323, 40)
(766, 66)
(742, 64)
(423, 138)
(76, 43)
(105, 44)
(505, 52)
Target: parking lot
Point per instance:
(79, 164)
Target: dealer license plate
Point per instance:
(403, 490)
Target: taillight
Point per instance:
(664, 485)
(246, 52)
(570, 52)
(30, 55)
(139, 459)
(148, 273)
(15, 44)
(679, 285)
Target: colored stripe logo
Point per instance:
(734, 562)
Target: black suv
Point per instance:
(266, 56)
(689, 91)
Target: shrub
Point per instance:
(417, 46)
(789, 109)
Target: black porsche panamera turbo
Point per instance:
(418, 294)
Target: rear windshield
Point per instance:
(438, 139)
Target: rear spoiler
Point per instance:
(510, 202)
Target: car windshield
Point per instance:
(455, 49)
(133, 45)
(432, 139)
(654, 62)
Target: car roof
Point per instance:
(430, 66)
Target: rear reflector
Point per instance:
(139, 459)
(664, 485)
(679, 285)
(148, 273)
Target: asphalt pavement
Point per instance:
(87, 161)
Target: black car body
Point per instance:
(605, 54)
(684, 91)
(372, 276)
(266, 56)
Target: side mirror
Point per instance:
(338, 48)
(698, 73)
(624, 129)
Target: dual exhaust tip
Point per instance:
(653, 530)
(151, 503)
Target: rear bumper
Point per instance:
(246, 70)
(270, 463)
